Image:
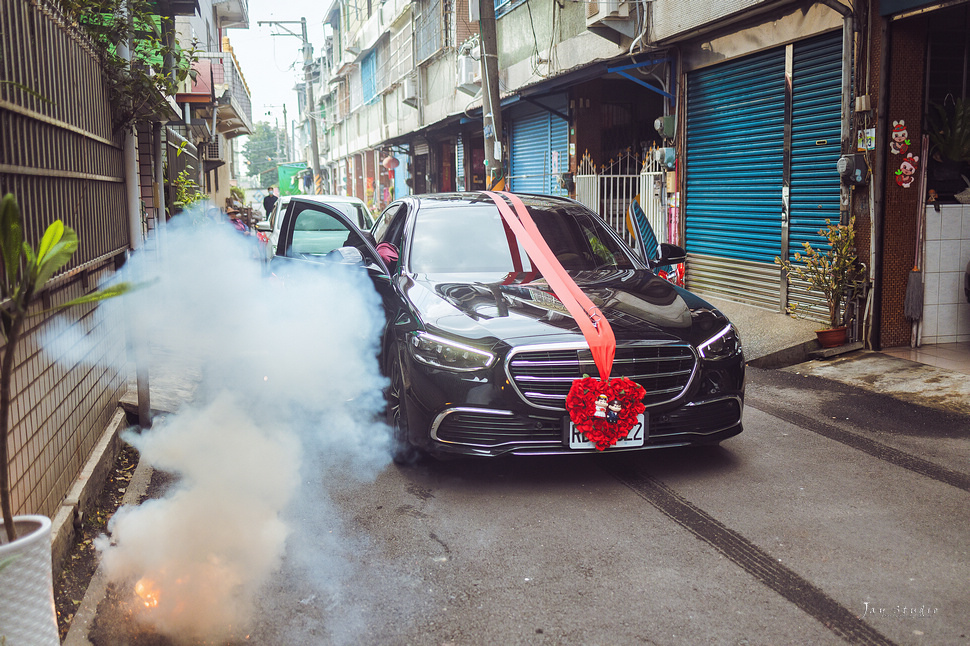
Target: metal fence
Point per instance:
(58, 153)
(60, 157)
(227, 77)
(612, 189)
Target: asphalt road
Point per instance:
(837, 516)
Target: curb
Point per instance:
(86, 489)
(77, 634)
(801, 353)
(785, 357)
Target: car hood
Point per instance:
(521, 309)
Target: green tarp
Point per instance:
(291, 178)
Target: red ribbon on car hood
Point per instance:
(596, 329)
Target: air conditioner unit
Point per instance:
(610, 19)
(212, 150)
(409, 92)
(467, 68)
(598, 10)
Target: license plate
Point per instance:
(636, 437)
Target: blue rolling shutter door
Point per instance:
(816, 147)
(539, 151)
(735, 166)
(734, 173)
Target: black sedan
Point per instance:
(479, 351)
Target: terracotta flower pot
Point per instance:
(832, 338)
(27, 615)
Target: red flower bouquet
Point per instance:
(605, 411)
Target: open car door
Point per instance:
(314, 232)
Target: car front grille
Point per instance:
(496, 428)
(543, 377)
(492, 428)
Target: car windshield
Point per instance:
(355, 212)
(474, 238)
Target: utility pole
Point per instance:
(491, 106)
(285, 156)
(308, 76)
(286, 138)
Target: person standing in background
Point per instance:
(270, 200)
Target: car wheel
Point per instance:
(402, 451)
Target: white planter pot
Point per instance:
(27, 615)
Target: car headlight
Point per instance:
(442, 353)
(723, 344)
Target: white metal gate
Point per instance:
(612, 190)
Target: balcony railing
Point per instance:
(228, 87)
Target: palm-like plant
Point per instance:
(949, 130)
(833, 272)
(25, 272)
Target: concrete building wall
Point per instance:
(672, 18)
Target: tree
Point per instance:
(138, 89)
(262, 153)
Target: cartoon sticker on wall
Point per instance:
(906, 172)
(900, 138)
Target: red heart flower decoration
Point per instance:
(596, 421)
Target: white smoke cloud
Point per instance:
(290, 389)
(208, 545)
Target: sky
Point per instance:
(273, 65)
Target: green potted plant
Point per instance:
(833, 272)
(949, 132)
(25, 540)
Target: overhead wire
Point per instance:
(535, 57)
(555, 36)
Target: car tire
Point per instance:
(402, 451)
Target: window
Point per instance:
(948, 74)
(383, 230)
(383, 65)
(317, 233)
(464, 28)
(474, 239)
(428, 29)
(401, 57)
(368, 77)
(356, 89)
(502, 7)
(343, 100)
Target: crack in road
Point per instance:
(752, 559)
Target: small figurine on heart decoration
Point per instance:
(624, 400)
(602, 403)
(613, 412)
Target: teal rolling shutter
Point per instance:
(816, 138)
(735, 155)
(368, 77)
(539, 150)
(815, 149)
(735, 165)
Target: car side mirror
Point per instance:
(264, 226)
(669, 254)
